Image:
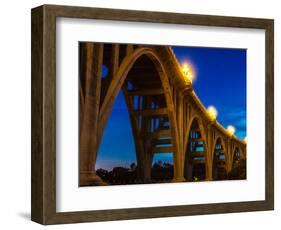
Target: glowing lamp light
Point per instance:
(212, 112)
(230, 129)
(187, 72)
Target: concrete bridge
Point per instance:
(165, 113)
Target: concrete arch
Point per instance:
(201, 127)
(116, 85)
(237, 164)
(188, 167)
(235, 147)
(220, 139)
(123, 71)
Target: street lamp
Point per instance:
(212, 112)
(230, 129)
(187, 72)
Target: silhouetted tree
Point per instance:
(161, 171)
(133, 166)
(103, 174)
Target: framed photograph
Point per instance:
(139, 114)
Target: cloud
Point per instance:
(237, 118)
(236, 114)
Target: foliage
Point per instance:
(160, 172)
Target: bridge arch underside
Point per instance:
(236, 156)
(219, 170)
(146, 92)
(150, 119)
(196, 153)
(238, 166)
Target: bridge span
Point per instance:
(165, 113)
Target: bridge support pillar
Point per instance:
(228, 157)
(188, 170)
(228, 169)
(89, 126)
(178, 176)
(178, 169)
(209, 155)
(144, 167)
(209, 171)
(146, 175)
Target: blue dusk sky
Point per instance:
(220, 80)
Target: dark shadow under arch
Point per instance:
(146, 91)
(219, 160)
(195, 155)
(238, 167)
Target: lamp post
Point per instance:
(231, 130)
(187, 72)
(212, 112)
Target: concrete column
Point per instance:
(189, 171)
(180, 114)
(209, 170)
(228, 154)
(144, 161)
(178, 172)
(178, 165)
(147, 163)
(179, 157)
(89, 123)
(178, 144)
(209, 153)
